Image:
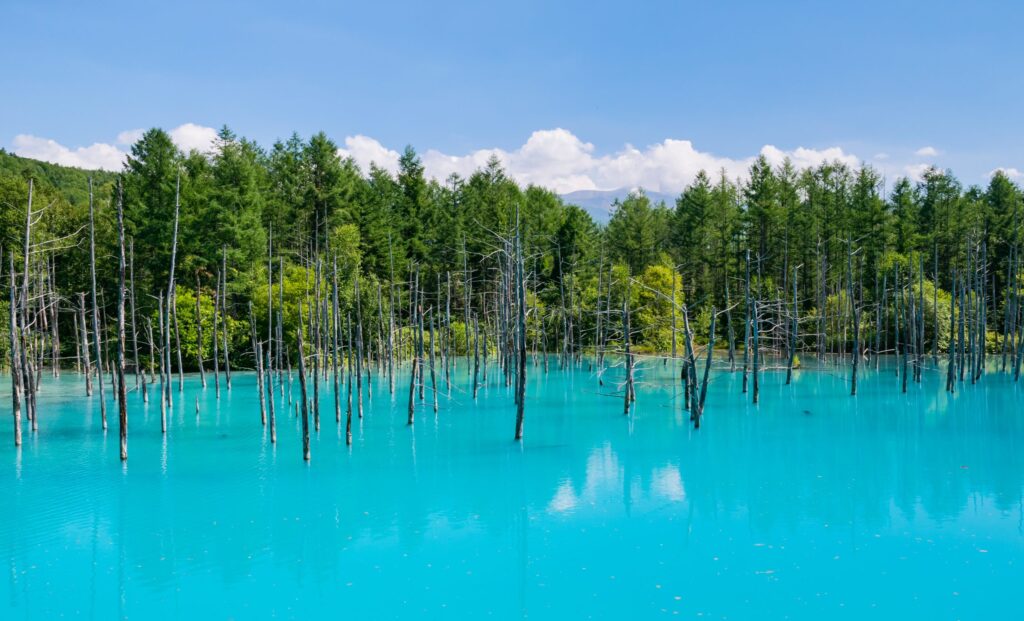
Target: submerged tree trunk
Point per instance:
(177, 343)
(335, 330)
(951, 364)
(747, 326)
(699, 410)
(302, 387)
(171, 294)
(433, 374)
(628, 397)
(731, 333)
(476, 355)
(855, 317)
(268, 380)
(793, 330)
(414, 369)
(359, 350)
(224, 310)
(257, 350)
(139, 375)
(521, 330)
(215, 337)
(315, 329)
(95, 307)
(164, 377)
(16, 379)
(199, 335)
(85, 340)
(348, 380)
(756, 353)
(122, 393)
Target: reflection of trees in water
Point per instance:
(809, 452)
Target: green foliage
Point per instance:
(385, 227)
(655, 297)
(637, 231)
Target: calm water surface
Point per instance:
(810, 505)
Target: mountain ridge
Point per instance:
(598, 203)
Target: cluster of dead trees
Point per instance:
(338, 346)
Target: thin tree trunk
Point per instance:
(699, 410)
(199, 334)
(855, 354)
(314, 319)
(935, 308)
(85, 343)
(348, 380)
(215, 339)
(951, 364)
(16, 379)
(122, 391)
(257, 350)
(747, 326)
(731, 331)
(359, 349)
(78, 342)
(270, 308)
(163, 367)
(95, 308)
(433, 375)
(135, 332)
(476, 355)
(171, 294)
(224, 311)
(414, 368)
(466, 286)
(674, 354)
(756, 353)
(521, 329)
(628, 396)
(268, 379)
(302, 387)
(177, 342)
(335, 328)
(794, 329)
(448, 334)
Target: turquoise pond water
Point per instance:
(811, 505)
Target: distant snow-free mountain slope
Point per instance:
(598, 203)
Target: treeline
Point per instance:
(819, 248)
(804, 225)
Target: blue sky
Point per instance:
(880, 81)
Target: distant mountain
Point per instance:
(598, 203)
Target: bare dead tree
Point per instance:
(95, 307)
(122, 389)
(302, 387)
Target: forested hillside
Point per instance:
(814, 238)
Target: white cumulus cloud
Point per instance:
(96, 155)
(190, 137)
(558, 159)
(365, 151)
(553, 158)
(1012, 173)
(130, 136)
(107, 156)
(927, 152)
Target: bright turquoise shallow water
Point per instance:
(811, 505)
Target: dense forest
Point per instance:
(359, 266)
(299, 198)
